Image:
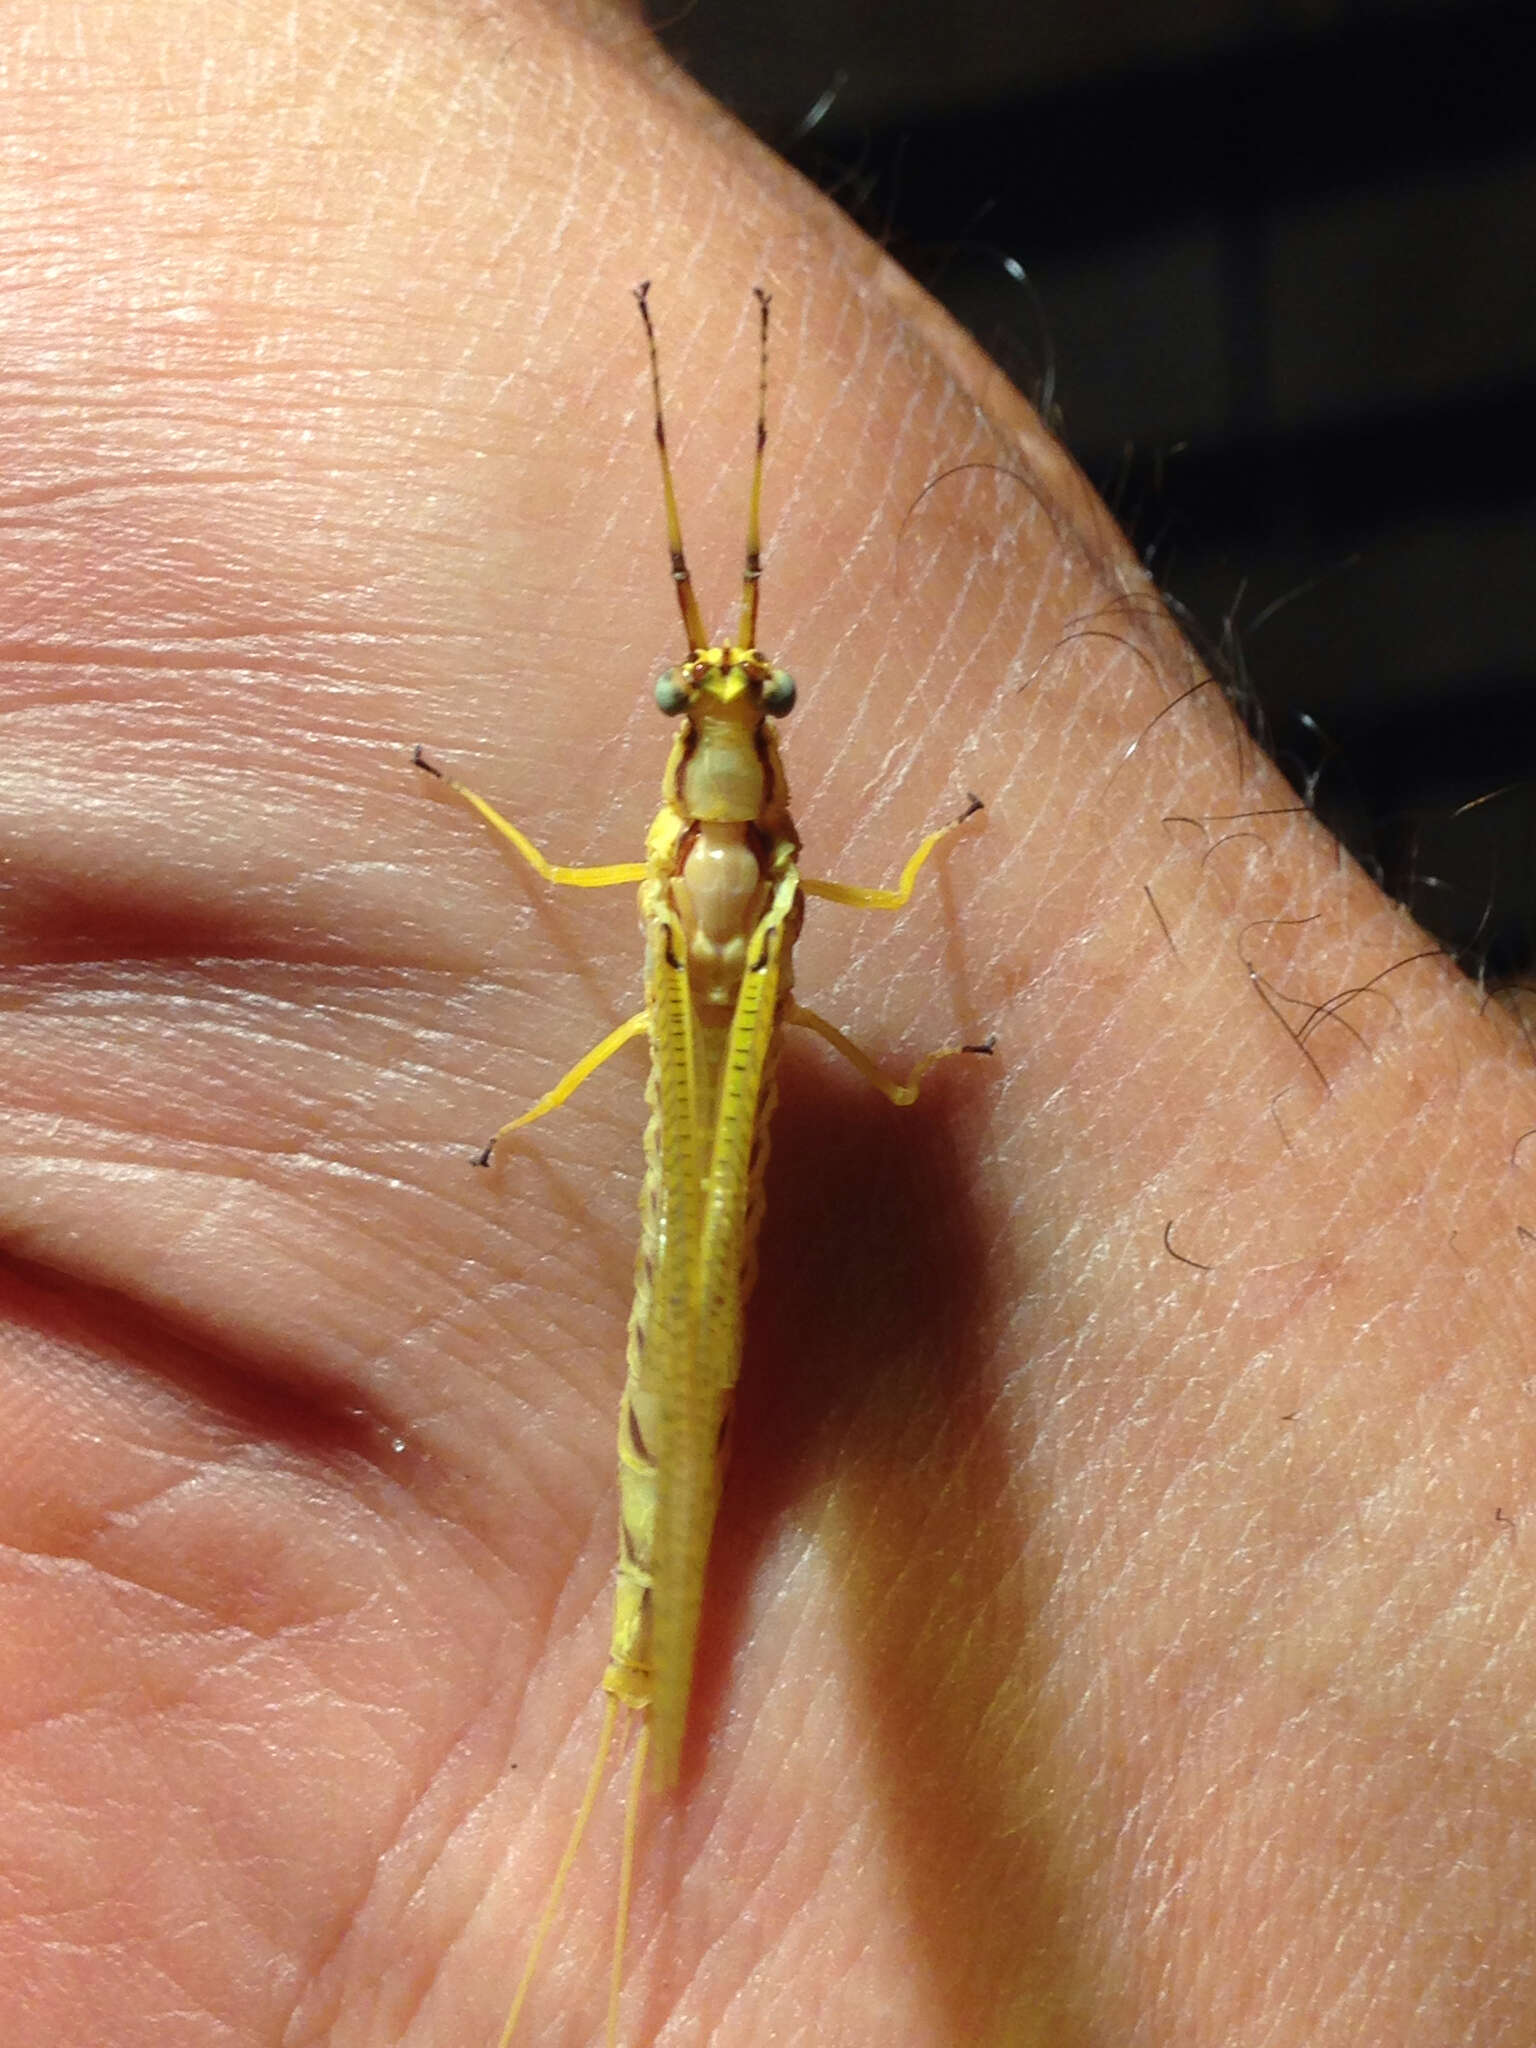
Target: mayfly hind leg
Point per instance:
(860, 897)
(902, 1093)
(566, 1086)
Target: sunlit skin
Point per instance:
(1098, 1650)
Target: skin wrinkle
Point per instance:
(776, 1932)
(380, 1872)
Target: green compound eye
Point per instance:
(672, 693)
(779, 694)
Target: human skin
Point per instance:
(1118, 1623)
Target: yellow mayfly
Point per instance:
(721, 901)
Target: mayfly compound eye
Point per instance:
(672, 693)
(779, 694)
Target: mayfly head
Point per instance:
(730, 682)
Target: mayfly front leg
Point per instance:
(613, 876)
(630, 871)
(864, 898)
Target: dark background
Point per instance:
(1269, 266)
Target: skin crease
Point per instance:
(1118, 1627)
